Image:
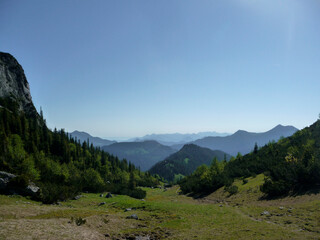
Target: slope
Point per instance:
(142, 154)
(57, 166)
(292, 166)
(96, 141)
(186, 161)
(14, 84)
(243, 141)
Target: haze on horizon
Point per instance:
(127, 69)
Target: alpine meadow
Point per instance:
(150, 120)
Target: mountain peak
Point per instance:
(14, 84)
(280, 127)
(240, 132)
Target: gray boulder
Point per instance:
(133, 216)
(266, 213)
(78, 197)
(109, 195)
(30, 190)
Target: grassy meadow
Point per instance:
(165, 214)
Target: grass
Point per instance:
(166, 215)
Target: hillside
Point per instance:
(141, 154)
(185, 161)
(49, 163)
(243, 141)
(96, 141)
(292, 166)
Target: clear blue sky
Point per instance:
(130, 68)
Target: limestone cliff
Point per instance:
(14, 84)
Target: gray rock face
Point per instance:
(14, 84)
(6, 175)
(5, 178)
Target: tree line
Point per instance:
(290, 166)
(59, 164)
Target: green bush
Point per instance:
(275, 188)
(51, 193)
(232, 189)
(137, 193)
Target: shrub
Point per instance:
(232, 189)
(275, 188)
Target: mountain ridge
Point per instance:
(185, 161)
(243, 141)
(143, 154)
(170, 139)
(96, 141)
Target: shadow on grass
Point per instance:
(298, 192)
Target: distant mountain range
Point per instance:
(185, 161)
(177, 138)
(141, 154)
(96, 141)
(243, 141)
(149, 152)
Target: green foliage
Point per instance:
(231, 189)
(58, 164)
(185, 162)
(291, 165)
(205, 179)
(92, 181)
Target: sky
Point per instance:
(122, 69)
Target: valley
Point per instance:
(152, 120)
(165, 214)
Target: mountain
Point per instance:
(143, 154)
(243, 141)
(49, 165)
(177, 138)
(96, 141)
(14, 84)
(185, 161)
(291, 166)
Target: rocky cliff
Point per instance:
(14, 84)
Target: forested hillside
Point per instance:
(185, 161)
(57, 163)
(291, 165)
